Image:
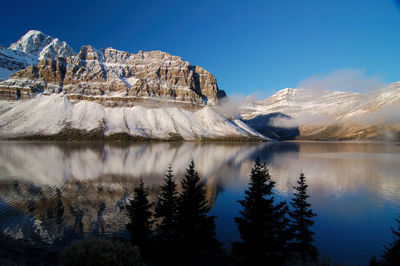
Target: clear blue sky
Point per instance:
(249, 46)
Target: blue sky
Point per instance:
(250, 46)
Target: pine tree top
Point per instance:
(193, 191)
(302, 215)
(263, 224)
(166, 207)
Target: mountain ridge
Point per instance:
(112, 78)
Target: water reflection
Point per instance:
(54, 164)
(57, 192)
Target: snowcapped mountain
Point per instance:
(40, 46)
(110, 94)
(328, 114)
(335, 105)
(116, 78)
(29, 50)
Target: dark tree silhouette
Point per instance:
(375, 262)
(166, 208)
(263, 226)
(302, 215)
(195, 229)
(99, 252)
(140, 217)
(391, 255)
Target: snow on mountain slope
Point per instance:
(295, 101)
(334, 105)
(29, 50)
(49, 114)
(327, 115)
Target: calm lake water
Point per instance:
(58, 192)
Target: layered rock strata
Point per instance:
(115, 78)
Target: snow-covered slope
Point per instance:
(328, 114)
(337, 105)
(29, 50)
(47, 115)
(111, 93)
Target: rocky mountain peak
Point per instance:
(32, 42)
(39, 45)
(29, 50)
(87, 52)
(286, 91)
(285, 95)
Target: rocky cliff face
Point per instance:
(29, 50)
(116, 78)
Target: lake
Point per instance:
(55, 193)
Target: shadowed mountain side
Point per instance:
(262, 123)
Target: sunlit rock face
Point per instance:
(110, 77)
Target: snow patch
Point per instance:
(129, 81)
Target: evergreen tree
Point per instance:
(392, 251)
(166, 208)
(140, 217)
(375, 262)
(196, 230)
(263, 226)
(302, 215)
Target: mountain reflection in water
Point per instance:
(58, 192)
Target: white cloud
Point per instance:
(302, 119)
(384, 115)
(354, 80)
(230, 106)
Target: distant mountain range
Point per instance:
(48, 91)
(327, 115)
